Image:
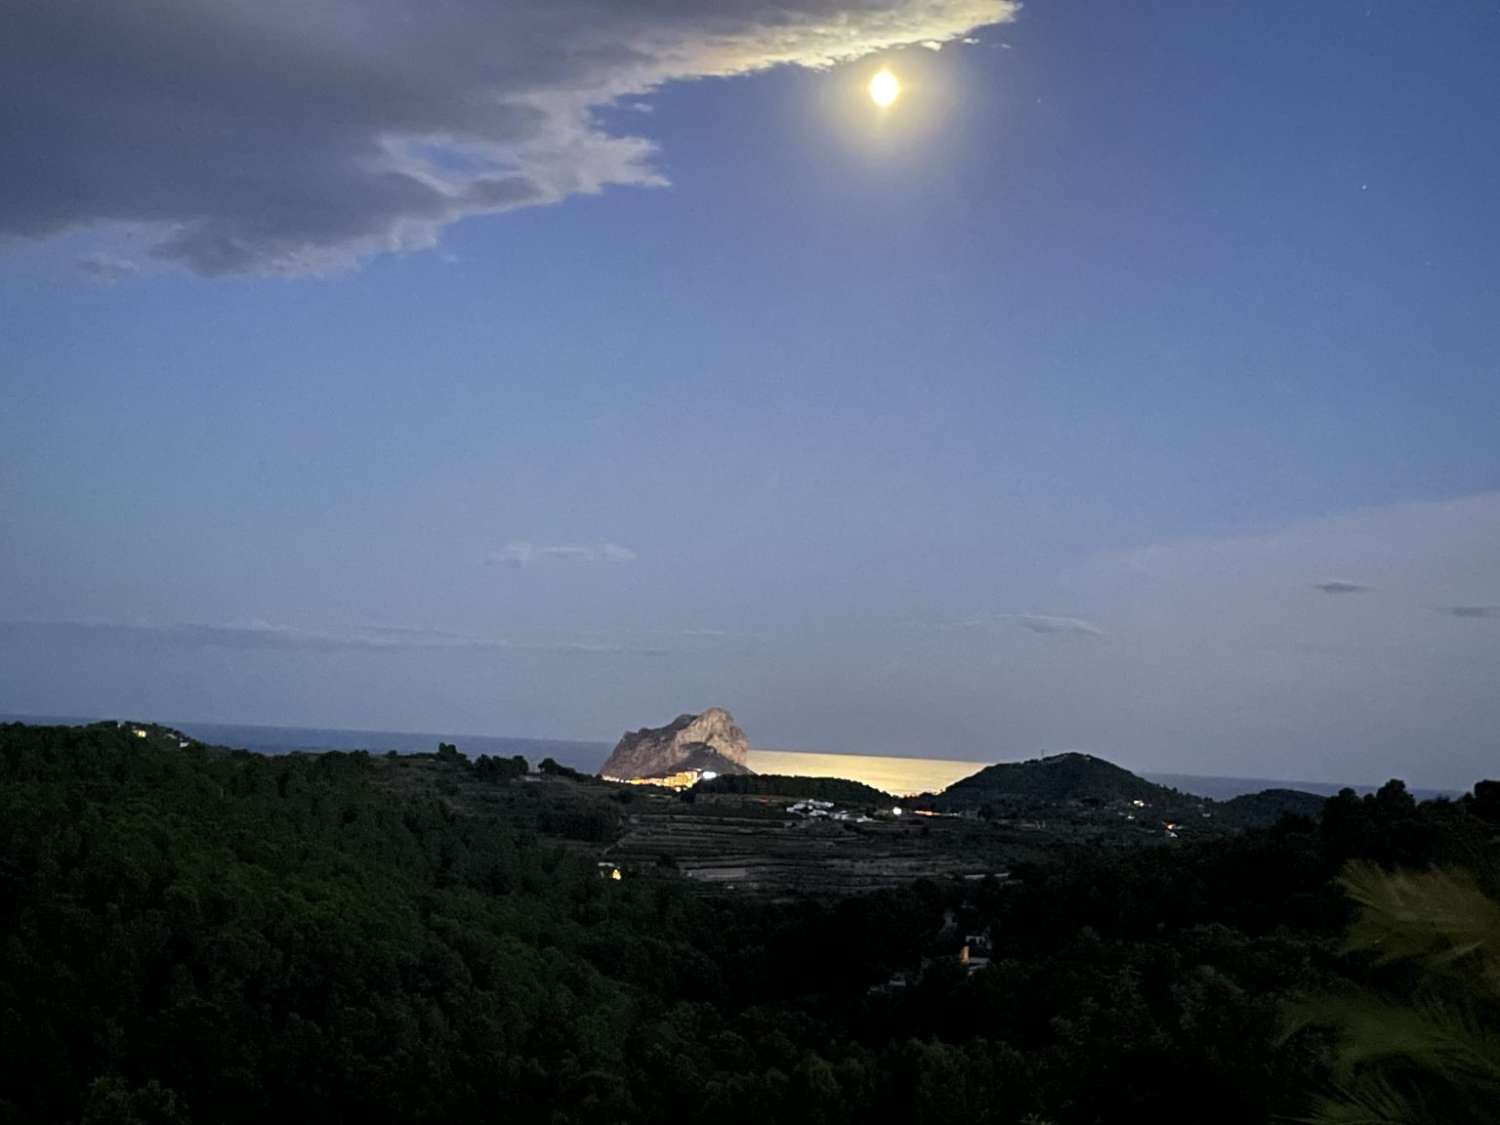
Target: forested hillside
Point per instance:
(197, 935)
(1061, 777)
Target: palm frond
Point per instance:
(1432, 1035)
(1372, 1101)
(1438, 918)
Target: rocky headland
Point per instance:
(706, 743)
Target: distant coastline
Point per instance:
(580, 755)
(896, 774)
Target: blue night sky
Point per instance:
(1132, 385)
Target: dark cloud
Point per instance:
(1472, 610)
(290, 136)
(1337, 587)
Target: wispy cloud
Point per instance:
(265, 635)
(272, 636)
(305, 137)
(1335, 586)
(107, 268)
(1042, 623)
(519, 554)
(1472, 610)
(1060, 626)
(593, 648)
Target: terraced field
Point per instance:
(756, 843)
(760, 848)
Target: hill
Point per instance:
(1270, 805)
(1081, 785)
(1071, 777)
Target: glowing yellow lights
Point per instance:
(884, 89)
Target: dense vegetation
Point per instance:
(193, 935)
(1061, 777)
(1269, 805)
(1084, 788)
(1427, 1051)
(837, 789)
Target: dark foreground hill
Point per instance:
(197, 935)
(1060, 777)
(1269, 805)
(1081, 787)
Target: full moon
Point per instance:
(884, 88)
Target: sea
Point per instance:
(899, 776)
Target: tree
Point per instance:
(486, 768)
(1485, 802)
(553, 768)
(1393, 796)
(112, 1102)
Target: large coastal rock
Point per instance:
(706, 741)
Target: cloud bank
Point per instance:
(1223, 643)
(265, 636)
(261, 635)
(288, 136)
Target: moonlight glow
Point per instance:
(884, 88)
